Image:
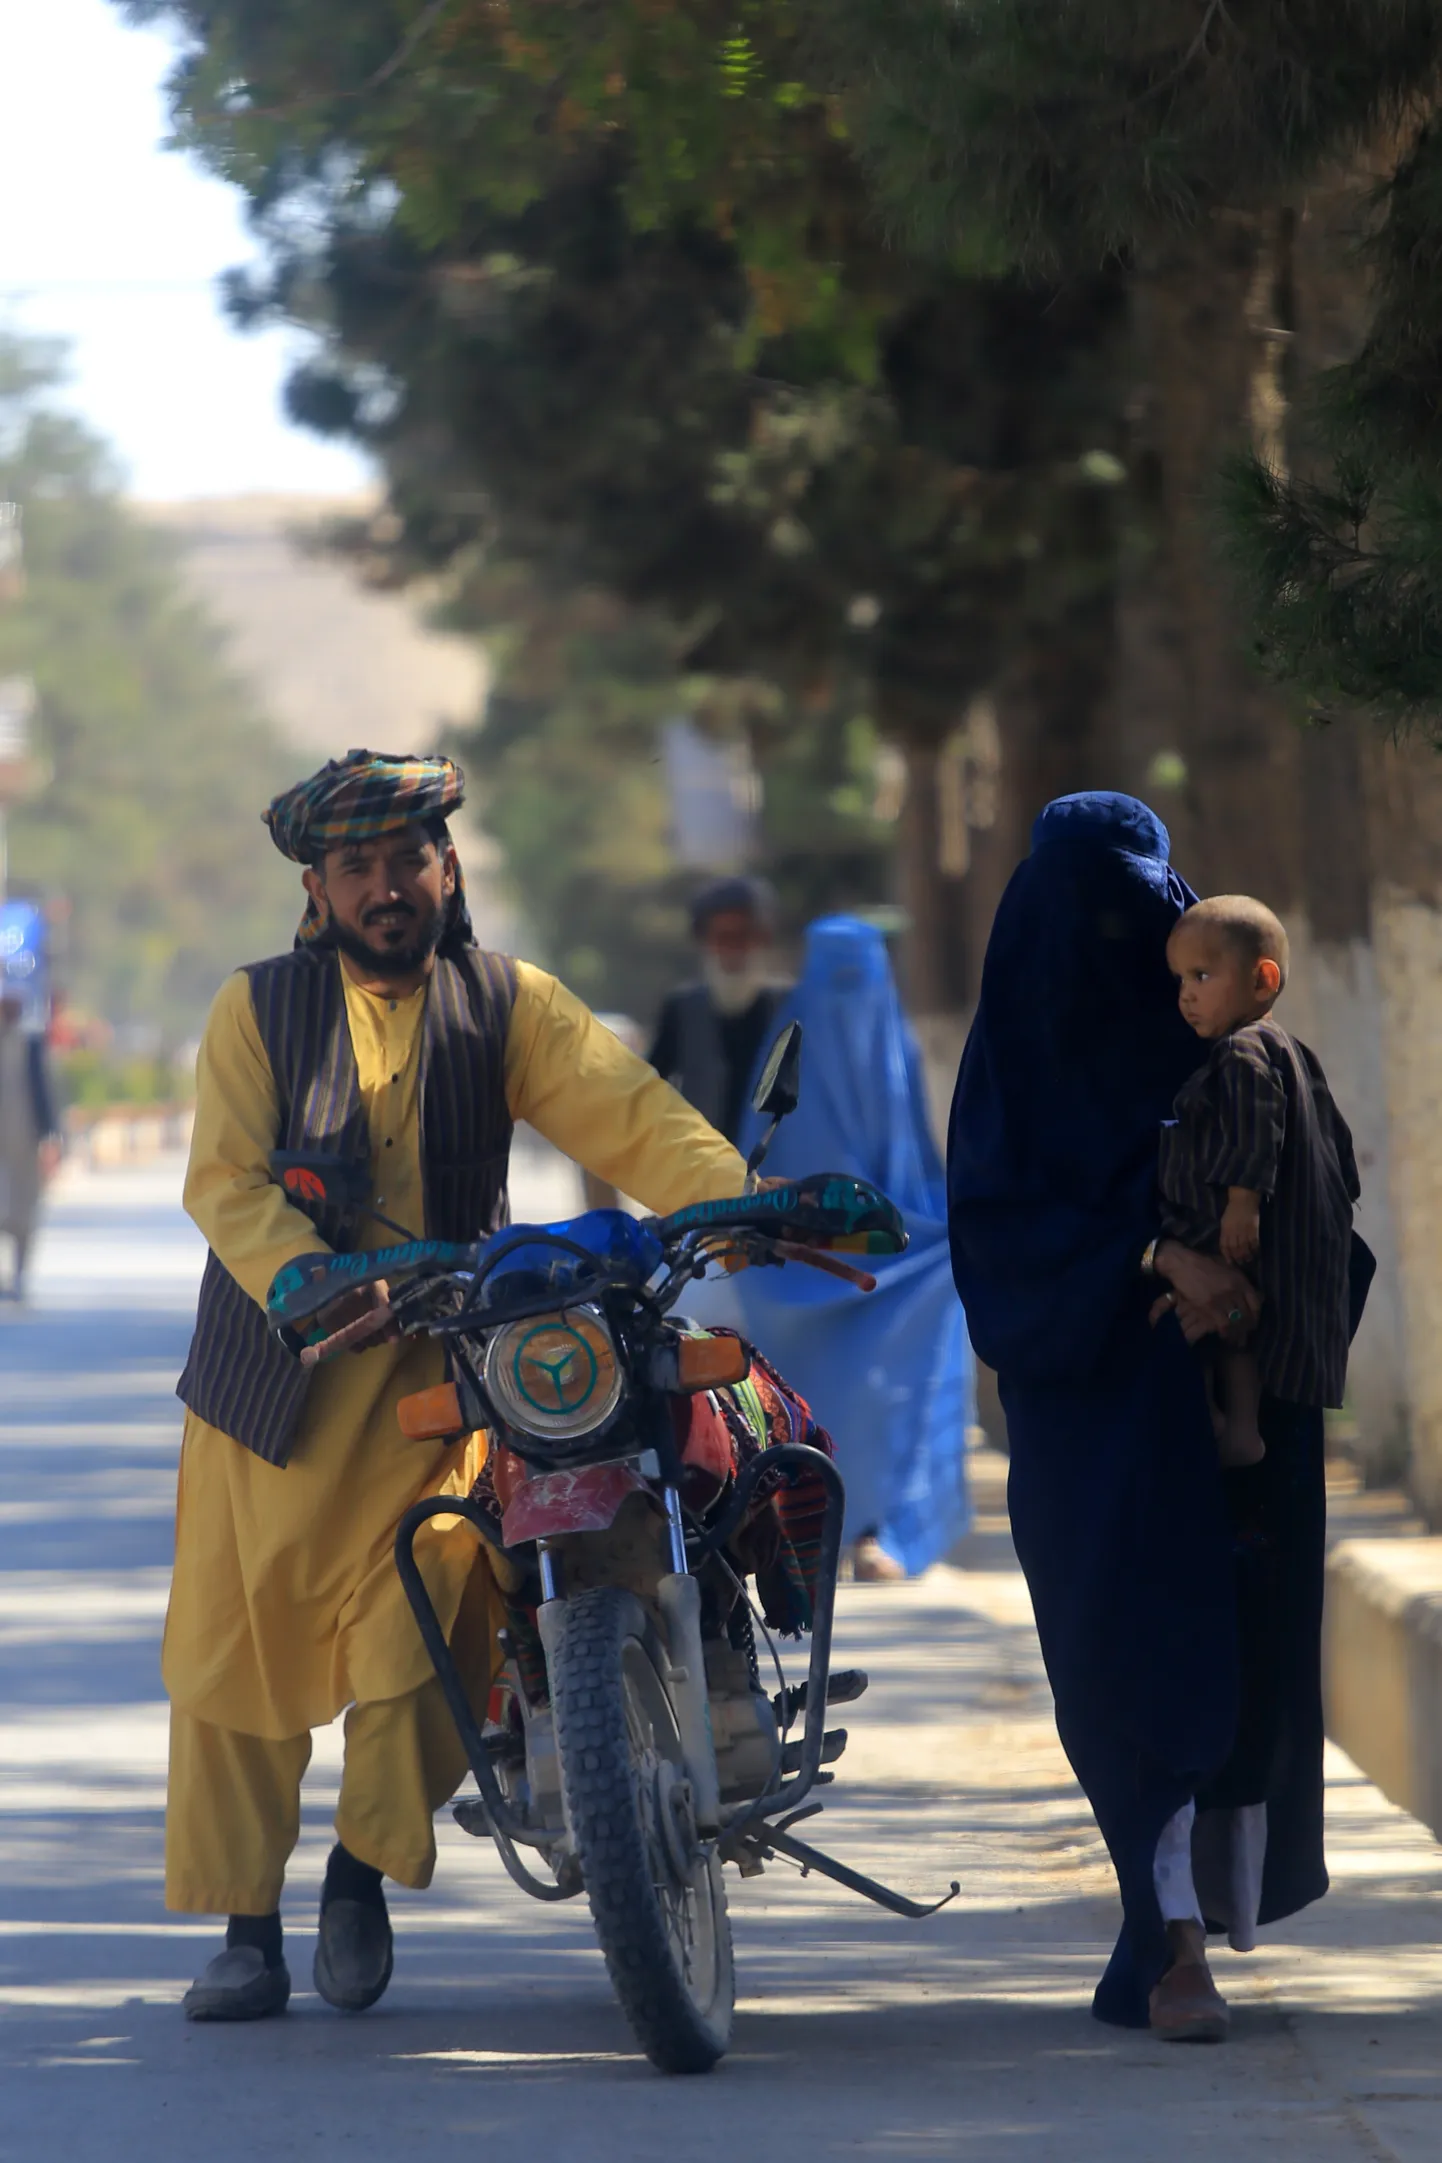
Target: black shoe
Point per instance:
(237, 1985)
(354, 1954)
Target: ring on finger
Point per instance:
(1235, 1315)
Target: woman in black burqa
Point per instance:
(1179, 1607)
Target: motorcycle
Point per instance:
(629, 1746)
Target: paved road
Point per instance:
(858, 2036)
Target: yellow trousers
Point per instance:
(233, 1803)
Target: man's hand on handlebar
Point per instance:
(735, 1260)
(354, 1322)
(799, 1246)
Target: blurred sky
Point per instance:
(116, 243)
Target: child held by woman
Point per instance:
(1258, 1166)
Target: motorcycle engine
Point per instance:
(743, 1725)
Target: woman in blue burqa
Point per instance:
(1179, 1607)
(888, 1373)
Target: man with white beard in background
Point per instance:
(710, 1035)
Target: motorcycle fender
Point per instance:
(551, 1503)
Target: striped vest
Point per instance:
(238, 1376)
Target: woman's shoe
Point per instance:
(872, 1565)
(1187, 2006)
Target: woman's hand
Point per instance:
(1195, 1322)
(1208, 1296)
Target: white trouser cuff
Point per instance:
(1172, 1869)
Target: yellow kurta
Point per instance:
(285, 1604)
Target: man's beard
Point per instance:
(734, 991)
(390, 960)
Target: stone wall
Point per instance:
(1409, 967)
(1335, 1002)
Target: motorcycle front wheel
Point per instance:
(659, 1905)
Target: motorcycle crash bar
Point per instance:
(505, 1827)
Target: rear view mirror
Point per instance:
(779, 1090)
(777, 1094)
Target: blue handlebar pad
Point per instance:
(312, 1281)
(833, 1207)
(522, 1258)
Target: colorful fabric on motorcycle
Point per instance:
(358, 798)
(765, 1412)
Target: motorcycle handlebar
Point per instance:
(799, 1220)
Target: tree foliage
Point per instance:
(570, 756)
(155, 763)
(1342, 556)
(1129, 134)
(1068, 138)
(460, 105)
(604, 291)
(557, 338)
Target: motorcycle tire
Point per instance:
(658, 1905)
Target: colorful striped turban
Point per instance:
(358, 798)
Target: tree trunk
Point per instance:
(933, 961)
(1055, 714)
(922, 887)
(1305, 818)
(933, 966)
(1200, 734)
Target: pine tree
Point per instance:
(1341, 550)
(1185, 141)
(623, 314)
(1113, 128)
(573, 786)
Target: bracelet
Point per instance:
(1149, 1256)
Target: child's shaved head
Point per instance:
(1247, 927)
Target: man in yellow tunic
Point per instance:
(285, 1607)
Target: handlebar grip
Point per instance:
(833, 1207)
(357, 1332)
(814, 1258)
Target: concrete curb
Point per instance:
(1382, 1653)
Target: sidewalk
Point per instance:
(1383, 1644)
(858, 2036)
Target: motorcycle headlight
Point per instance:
(556, 1376)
